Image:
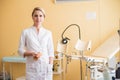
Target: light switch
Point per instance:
(91, 15)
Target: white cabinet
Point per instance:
(58, 67)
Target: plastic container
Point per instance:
(21, 78)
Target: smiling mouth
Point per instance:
(38, 21)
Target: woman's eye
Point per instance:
(35, 15)
(40, 15)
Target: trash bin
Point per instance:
(7, 76)
(21, 78)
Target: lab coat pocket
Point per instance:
(49, 69)
(31, 68)
(43, 69)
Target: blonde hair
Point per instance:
(38, 9)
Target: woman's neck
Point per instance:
(37, 27)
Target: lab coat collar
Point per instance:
(40, 28)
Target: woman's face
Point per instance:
(38, 17)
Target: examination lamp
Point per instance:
(80, 45)
(66, 39)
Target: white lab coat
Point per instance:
(42, 42)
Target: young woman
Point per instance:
(36, 45)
